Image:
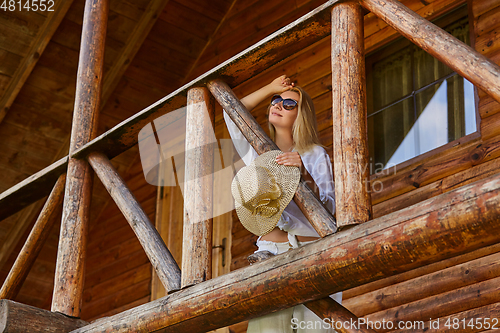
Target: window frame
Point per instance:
(398, 44)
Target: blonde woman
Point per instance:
(293, 127)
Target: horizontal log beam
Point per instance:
(439, 228)
(33, 188)
(285, 42)
(22, 318)
(322, 221)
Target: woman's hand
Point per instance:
(293, 158)
(281, 84)
(277, 86)
(290, 158)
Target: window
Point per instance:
(416, 103)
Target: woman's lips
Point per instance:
(276, 114)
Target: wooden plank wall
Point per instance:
(416, 294)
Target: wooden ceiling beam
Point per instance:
(436, 229)
(29, 61)
(132, 46)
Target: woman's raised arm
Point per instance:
(277, 86)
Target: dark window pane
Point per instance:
(392, 77)
(427, 69)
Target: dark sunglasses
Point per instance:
(288, 103)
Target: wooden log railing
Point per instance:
(164, 264)
(22, 318)
(34, 243)
(69, 276)
(456, 222)
(322, 221)
(332, 264)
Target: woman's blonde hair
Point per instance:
(305, 128)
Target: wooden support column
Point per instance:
(350, 145)
(439, 228)
(322, 221)
(34, 243)
(22, 318)
(340, 318)
(164, 264)
(198, 187)
(460, 57)
(68, 285)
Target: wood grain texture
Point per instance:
(158, 254)
(34, 243)
(350, 137)
(21, 318)
(68, 285)
(460, 57)
(322, 221)
(439, 228)
(482, 6)
(201, 145)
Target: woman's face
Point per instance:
(280, 117)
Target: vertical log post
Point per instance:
(164, 264)
(34, 243)
(199, 167)
(68, 284)
(322, 221)
(457, 55)
(350, 147)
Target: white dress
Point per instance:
(317, 163)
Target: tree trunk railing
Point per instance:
(332, 264)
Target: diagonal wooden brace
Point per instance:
(164, 264)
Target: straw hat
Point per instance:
(262, 190)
